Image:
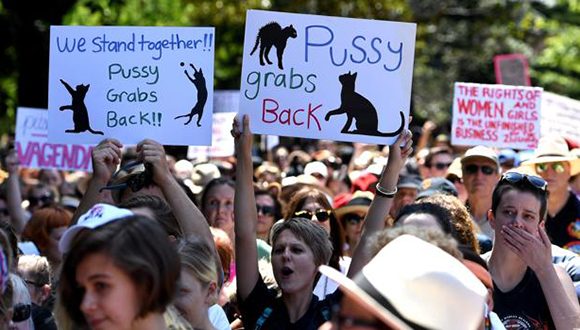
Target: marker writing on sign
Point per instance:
(363, 49)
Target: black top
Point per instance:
(263, 310)
(524, 307)
(564, 227)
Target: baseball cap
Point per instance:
(316, 167)
(98, 215)
(480, 152)
(437, 185)
(409, 181)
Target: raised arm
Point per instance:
(380, 206)
(189, 217)
(245, 214)
(105, 156)
(68, 88)
(14, 196)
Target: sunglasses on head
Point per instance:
(322, 215)
(21, 312)
(558, 167)
(473, 169)
(265, 209)
(441, 166)
(353, 219)
(515, 177)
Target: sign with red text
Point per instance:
(560, 115)
(131, 83)
(222, 144)
(34, 150)
(496, 115)
(318, 77)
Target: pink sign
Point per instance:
(496, 115)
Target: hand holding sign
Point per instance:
(151, 152)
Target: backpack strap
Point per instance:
(265, 314)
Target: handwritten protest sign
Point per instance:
(131, 83)
(560, 115)
(318, 77)
(496, 115)
(34, 150)
(222, 144)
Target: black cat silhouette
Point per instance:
(80, 112)
(272, 34)
(360, 108)
(199, 83)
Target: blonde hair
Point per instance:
(35, 268)
(199, 260)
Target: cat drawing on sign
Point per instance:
(198, 81)
(272, 34)
(359, 108)
(79, 109)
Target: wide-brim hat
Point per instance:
(551, 149)
(359, 202)
(405, 295)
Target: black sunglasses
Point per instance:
(441, 166)
(265, 209)
(322, 215)
(47, 198)
(135, 182)
(473, 169)
(515, 177)
(21, 312)
(353, 219)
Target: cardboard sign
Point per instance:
(512, 69)
(131, 83)
(222, 144)
(318, 77)
(560, 115)
(496, 116)
(34, 150)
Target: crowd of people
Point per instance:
(416, 235)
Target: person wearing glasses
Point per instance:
(299, 246)
(269, 210)
(437, 162)
(530, 292)
(480, 170)
(555, 164)
(351, 217)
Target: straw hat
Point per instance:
(553, 148)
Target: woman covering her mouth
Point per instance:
(299, 246)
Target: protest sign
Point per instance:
(560, 115)
(496, 115)
(318, 77)
(222, 144)
(511, 69)
(34, 150)
(131, 83)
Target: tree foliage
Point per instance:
(456, 39)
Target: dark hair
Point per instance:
(8, 230)
(336, 231)
(504, 186)
(140, 248)
(162, 211)
(277, 205)
(214, 183)
(436, 151)
(441, 215)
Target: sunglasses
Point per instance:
(353, 219)
(322, 215)
(21, 312)
(42, 200)
(473, 169)
(265, 209)
(515, 177)
(136, 181)
(558, 167)
(441, 166)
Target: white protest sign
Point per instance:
(318, 77)
(131, 83)
(222, 144)
(496, 115)
(34, 150)
(560, 115)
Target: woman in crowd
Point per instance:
(217, 204)
(529, 290)
(198, 287)
(269, 210)
(298, 248)
(45, 228)
(21, 305)
(120, 272)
